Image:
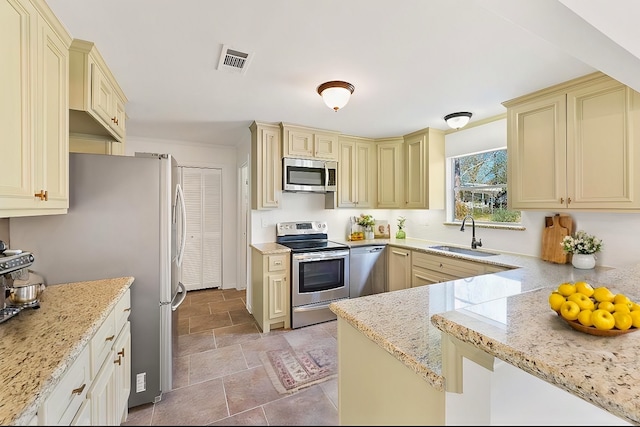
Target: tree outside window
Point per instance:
(480, 188)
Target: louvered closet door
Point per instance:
(202, 263)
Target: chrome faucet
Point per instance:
(474, 243)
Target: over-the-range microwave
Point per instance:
(306, 175)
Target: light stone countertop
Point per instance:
(401, 321)
(270, 248)
(38, 345)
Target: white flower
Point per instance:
(581, 243)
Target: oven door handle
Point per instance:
(320, 255)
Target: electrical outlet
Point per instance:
(141, 382)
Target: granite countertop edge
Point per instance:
(40, 368)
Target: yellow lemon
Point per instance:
(556, 300)
(623, 321)
(607, 305)
(569, 310)
(584, 317)
(621, 307)
(635, 318)
(634, 306)
(584, 288)
(603, 294)
(567, 289)
(603, 320)
(621, 299)
(583, 301)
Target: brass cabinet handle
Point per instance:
(42, 195)
(78, 390)
(114, 120)
(569, 201)
(110, 338)
(121, 352)
(119, 361)
(127, 309)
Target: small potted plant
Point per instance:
(400, 234)
(367, 222)
(583, 248)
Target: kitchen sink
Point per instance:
(463, 251)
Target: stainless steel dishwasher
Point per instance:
(367, 270)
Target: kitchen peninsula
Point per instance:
(56, 344)
(390, 351)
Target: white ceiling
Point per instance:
(411, 61)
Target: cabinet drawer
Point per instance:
(277, 262)
(67, 397)
(102, 342)
(122, 310)
(451, 266)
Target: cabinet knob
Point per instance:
(78, 390)
(42, 195)
(110, 338)
(114, 120)
(569, 201)
(562, 200)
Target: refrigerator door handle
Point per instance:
(183, 226)
(180, 294)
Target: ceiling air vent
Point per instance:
(234, 61)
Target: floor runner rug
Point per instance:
(291, 370)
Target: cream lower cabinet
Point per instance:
(575, 146)
(357, 171)
(398, 268)
(427, 268)
(266, 166)
(34, 83)
(379, 389)
(270, 290)
(95, 389)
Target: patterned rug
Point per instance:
(291, 370)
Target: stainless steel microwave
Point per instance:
(306, 175)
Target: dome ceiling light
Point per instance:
(457, 120)
(336, 93)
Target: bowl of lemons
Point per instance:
(595, 311)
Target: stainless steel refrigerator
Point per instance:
(126, 218)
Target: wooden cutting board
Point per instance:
(556, 228)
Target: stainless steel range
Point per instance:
(319, 271)
(14, 265)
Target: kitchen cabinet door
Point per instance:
(34, 84)
(399, 268)
(424, 169)
(390, 173)
(266, 166)
(572, 146)
(357, 170)
(309, 143)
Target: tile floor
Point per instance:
(218, 376)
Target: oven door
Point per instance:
(318, 278)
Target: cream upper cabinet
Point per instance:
(573, 146)
(390, 173)
(34, 104)
(96, 101)
(309, 143)
(424, 169)
(357, 171)
(266, 166)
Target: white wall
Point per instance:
(621, 244)
(213, 156)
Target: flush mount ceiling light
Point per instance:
(336, 93)
(457, 120)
